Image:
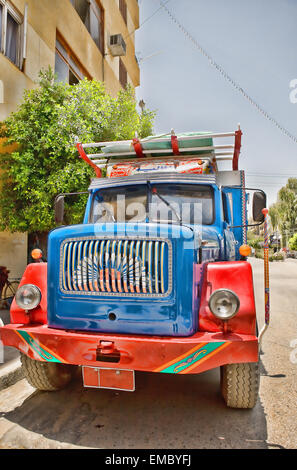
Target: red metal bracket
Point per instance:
(106, 347)
(174, 145)
(85, 157)
(237, 148)
(138, 147)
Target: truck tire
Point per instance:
(48, 376)
(240, 384)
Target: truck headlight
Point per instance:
(224, 304)
(28, 297)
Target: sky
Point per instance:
(255, 42)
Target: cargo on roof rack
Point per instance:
(172, 150)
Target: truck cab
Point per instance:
(154, 279)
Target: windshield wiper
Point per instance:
(154, 191)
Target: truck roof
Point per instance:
(98, 183)
(221, 178)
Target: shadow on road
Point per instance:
(165, 411)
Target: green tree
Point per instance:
(293, 242)
(46, 162)
(283, 214)
(287, 207)
(274, 216)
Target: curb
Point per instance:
(17, 437)
(10, 373)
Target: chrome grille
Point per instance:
(116, 267)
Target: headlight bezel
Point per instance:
(224, 293)
(36, 293)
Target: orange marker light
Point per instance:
(36, 254)
(245, 250)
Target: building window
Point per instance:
(92, 15)
(123, 10)
(67, 67)
(10, 32)
(123, 77)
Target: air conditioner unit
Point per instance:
(117, 45)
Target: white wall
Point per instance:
(13, 253)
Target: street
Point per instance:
(168, 411)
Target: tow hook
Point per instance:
(106, 347)
(106, 352)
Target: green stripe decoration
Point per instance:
(196, 356)
(37, 348)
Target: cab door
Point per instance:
(229, 238)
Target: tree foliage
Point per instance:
(283, 214)
(293, 242)
(46, 162)
(274, 216)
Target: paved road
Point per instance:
(171, 411)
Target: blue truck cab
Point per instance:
(141, 236)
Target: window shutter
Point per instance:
(123, 10)
(123, 76)
(24, 30)
(4, 26)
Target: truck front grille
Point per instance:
(122, 267)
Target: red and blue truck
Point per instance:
(155, 279)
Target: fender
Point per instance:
(238, 277)
(34, 274)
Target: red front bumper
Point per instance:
(193, 355)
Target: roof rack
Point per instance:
(215, 152)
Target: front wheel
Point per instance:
(48, 376)
(240, 384)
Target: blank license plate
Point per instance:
(114, 379)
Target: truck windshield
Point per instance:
(160, 203)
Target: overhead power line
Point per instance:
(227, 76)
(271, 175)
(146, 20)
(270, 185)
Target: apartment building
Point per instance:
(77, 38)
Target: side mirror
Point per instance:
(59, 209)
(259, 203)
